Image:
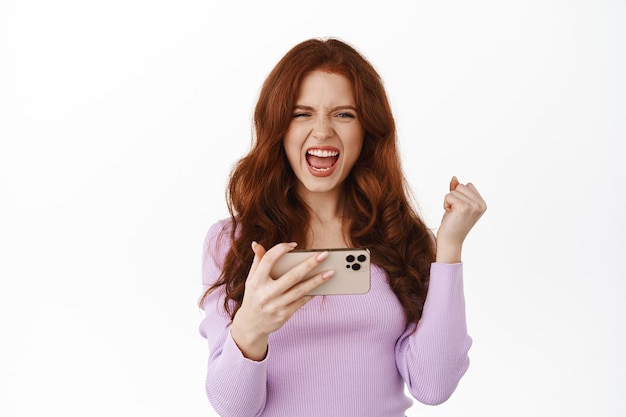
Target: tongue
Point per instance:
(317, 162)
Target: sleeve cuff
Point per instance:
(232, 352)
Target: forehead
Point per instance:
(324, 86)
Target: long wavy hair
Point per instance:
(265, 207)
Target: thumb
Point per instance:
(454, 182)
(259, 251)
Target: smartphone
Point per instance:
(351, 265)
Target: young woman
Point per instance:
(324, 172)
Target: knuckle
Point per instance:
(269, 308)
(282, 315)
(277, 251)
(312, 262)
(299, 291)
(264, 300)
(464, 208)
(271, 256)
(293, 276)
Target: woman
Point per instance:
(324, 172)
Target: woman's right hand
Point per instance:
(268, 303)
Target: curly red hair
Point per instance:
(265, 207)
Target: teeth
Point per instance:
(320, 169)
(322, 153)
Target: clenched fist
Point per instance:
(463, 207)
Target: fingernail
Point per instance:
(322, 256)
(254, 244)
(292, 244)
(328, 274)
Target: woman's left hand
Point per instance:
(463, 207)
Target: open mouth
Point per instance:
(322, 160)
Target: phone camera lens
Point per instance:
(350, 258)
(356, 267)
(361, 258)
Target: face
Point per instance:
(325, 136)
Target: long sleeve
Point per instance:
(235, 385)
(433, 358)
(338, 355)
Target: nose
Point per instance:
(322, 128)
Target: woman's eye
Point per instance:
(300, 115)
(345, 115)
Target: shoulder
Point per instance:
(217, 243)
(219, 231)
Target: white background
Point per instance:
(119, 123)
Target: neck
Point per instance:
(324, 207)
(327, 226)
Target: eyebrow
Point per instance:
(336, 108)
